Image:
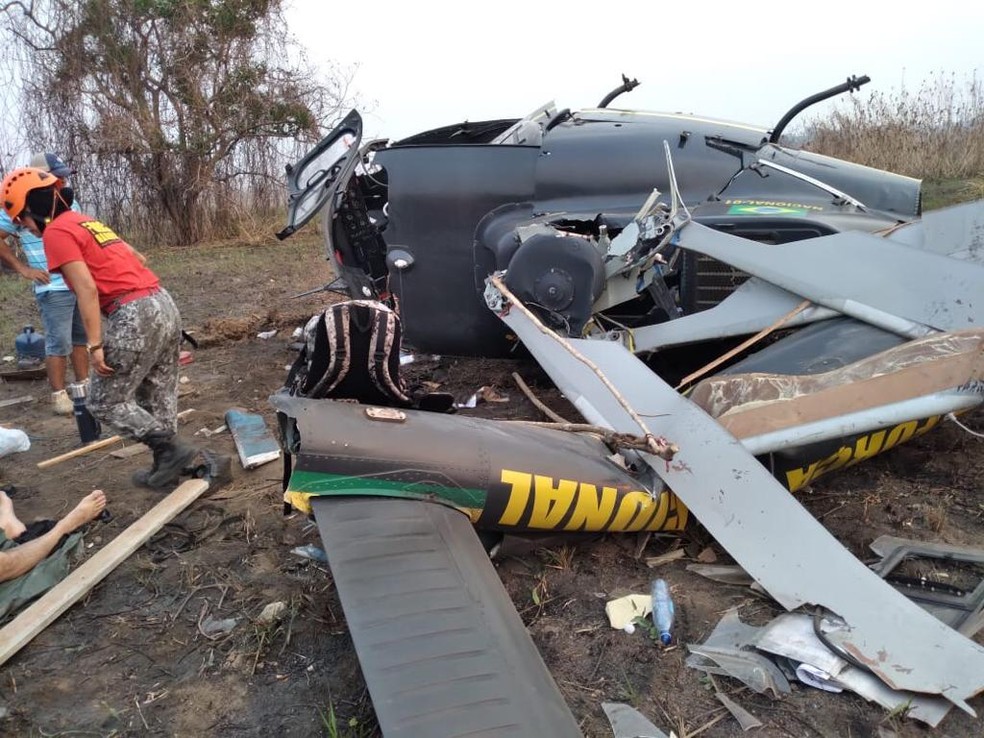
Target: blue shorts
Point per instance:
(62, 322)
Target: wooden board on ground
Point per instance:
(72, 588)
(24, 374)
(254, 442)
(17, 400)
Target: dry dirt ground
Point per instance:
(132, 659)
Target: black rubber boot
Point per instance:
(141, 477)
(171, 456)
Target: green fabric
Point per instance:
(17, 593)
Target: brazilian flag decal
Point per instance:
(772, 210)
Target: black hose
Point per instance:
(627, 86)
(852, 84)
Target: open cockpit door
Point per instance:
(323, 173)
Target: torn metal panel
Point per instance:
(745, 719)
(628, 722)
(738, 501)
(956, 231)
(793, 636)
(750, 668)
(915, 290)
(929, 710)
(728, 651)
(753, 306)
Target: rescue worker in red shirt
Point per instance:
(133, 385)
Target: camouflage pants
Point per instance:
(141, 340)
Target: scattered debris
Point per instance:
(13, 440)
(707, 556)
(628, 722)
(485, 393)
(185, 358)
(723, 574)
(654, 561)
(209, 433)
(211, 627)
(745, 719)
(623, 610)
(310, 551)
(266, 335)
(489, 394)
(272, 613)
(254, 442)
(729, 651)
(761, 657)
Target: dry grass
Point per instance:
(935, 132)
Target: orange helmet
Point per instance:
(16, 185)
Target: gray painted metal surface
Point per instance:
(867, 277)
(628, 722)
(753, 306)
(741, 504)
(957, 231)
(442, 649)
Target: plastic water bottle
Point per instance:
(662, 610)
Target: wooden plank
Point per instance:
(22, 629)
(17, 400)
(24, 374)
(254, 442)
(95, 446)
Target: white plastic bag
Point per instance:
(13, 441)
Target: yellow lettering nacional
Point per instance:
(567, 504)
(863, 448)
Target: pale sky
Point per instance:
(421, 64)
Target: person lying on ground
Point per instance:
(20, 559)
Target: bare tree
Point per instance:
(169, 107)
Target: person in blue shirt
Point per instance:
(63, 330)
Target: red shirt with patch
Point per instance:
(115, 269)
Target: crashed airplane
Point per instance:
(732, 318)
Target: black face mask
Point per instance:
(45, 204)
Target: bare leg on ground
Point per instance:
(21, 559)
